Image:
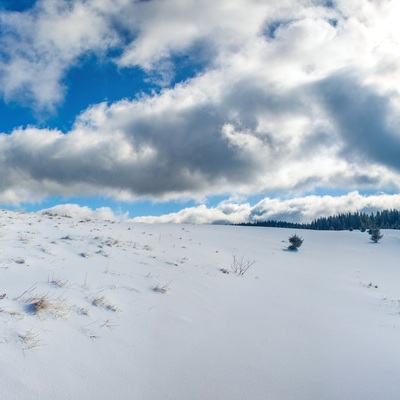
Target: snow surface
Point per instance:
(120, 310)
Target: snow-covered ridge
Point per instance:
(93, 309)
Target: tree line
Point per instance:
(386, 219)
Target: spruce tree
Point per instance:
(375, 234)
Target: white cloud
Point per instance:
(167, 28)
(294, 95)
(190, 142)
(77, 211)
(39, 45)
(301, 209)
(309, 40)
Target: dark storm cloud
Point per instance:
(364, 119)
(187, 151)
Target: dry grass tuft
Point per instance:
(30, 339)
(41, 305)
(104, 303)
(12, 313)
(81, 310)
(61, 283)
(161, 288)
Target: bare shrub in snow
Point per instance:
(239, 265)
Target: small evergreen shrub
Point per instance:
(295, 242)
(375, 234)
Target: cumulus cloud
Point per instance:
(39, 45)
(164, 29)
(300, 39)
(301, 209)
(294, 95)
(188, 142)
(77, 211)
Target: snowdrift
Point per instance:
(99, 310)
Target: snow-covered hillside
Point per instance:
(117, 310)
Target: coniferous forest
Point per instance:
(386, 219)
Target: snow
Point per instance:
(81, 318)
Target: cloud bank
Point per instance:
(292, 95)
(302, 209)
(77, 211)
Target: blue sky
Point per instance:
(196, 110)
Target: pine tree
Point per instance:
(375, 234)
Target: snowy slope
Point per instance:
(81, 318)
